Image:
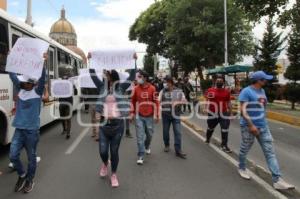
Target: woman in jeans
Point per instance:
(113, 107)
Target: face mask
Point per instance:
(165, 85)
(219, 85)
(140, 81)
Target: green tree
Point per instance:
(293, 71)
(149, 64)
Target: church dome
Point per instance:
(63, 31)
(79, 52)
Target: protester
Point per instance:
(146, 110)
(27, 124)
(112, 107)
(188, 89)
(171, 99)
(65, 110)
(219, 111)
(254, 125)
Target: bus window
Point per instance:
(14, 39)
(3, 47)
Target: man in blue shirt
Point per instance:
(255, 125)
(27, 124)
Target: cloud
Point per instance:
(14, 3)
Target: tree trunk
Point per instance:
(293, 106)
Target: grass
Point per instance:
(284, 108)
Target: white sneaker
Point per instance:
(148, 151)
(140, 161)
(244, 174)
(11, 165)
(38, 159)
(282, 185)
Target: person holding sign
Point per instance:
(145, 109)
(112, 108)
(27, 124)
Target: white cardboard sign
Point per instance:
(85, 80)
(26, 57)
(61, 88)
(112, 59)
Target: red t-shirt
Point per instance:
(218, 99)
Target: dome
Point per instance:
(62, 25)
(79, 52)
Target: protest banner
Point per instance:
(112, 59)
(26, 57)
(61, 88)
(85, 80)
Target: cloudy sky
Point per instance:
(98, 23)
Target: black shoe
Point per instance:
(68, 136)
(226, 149)
(207, 141)
(181, 155)
(20, 184)
(167, 149)
(128, 134)
(28, 186)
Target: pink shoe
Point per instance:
(114, 181)
(103, 171)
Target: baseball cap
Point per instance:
(24, 78)
(258, 75)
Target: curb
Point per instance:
(258, 173)
(292, 120)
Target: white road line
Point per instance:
(256, 178)
(77, 141)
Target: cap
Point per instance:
(24, 78)
(258, 75)
(168, 78)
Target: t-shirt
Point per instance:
(256, 108)
(218, 99)
(111, 107)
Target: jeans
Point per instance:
(110, 139)
(265, 140)
(27, 139)
(167, 121)
(144, 132)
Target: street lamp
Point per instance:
(226, 33)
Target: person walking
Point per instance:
(254, 124)
(219, 111)
(188, 89)
(171, 99)
(145, 108)
(27, 124)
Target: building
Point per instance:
(3, 4)
(64, 33)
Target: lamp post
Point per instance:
(226, 33)
(29, 13)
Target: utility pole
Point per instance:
(226, 33)
(29, 13)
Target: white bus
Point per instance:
(60, 61)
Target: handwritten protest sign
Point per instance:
(112, 59)
(85, 80)
(26, 57)
(61, 88)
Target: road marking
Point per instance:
(256, 178)
(77, 141)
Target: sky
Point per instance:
(98, 23)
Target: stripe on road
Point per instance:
(77, 141)
(256, 178)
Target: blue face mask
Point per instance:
(140, 81)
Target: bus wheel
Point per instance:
(3, 127)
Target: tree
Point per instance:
(293, 71)
(191, 32)
(149, 64)
(269, 49)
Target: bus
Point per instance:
(60, 61)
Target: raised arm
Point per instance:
(99, 84)
(124, 86)
(15, 80)
(41, 83)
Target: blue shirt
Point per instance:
(28, 104)
(256, 108)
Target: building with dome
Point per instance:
(64, 33)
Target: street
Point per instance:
(71, 171)
(286, 140)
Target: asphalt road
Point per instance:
(286, 142)
(203, 175)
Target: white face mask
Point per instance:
(140, 81)
(165, 85)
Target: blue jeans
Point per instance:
(110, 139)
(167, 121)
(144, 132)
(265, 140)
(27, 139)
